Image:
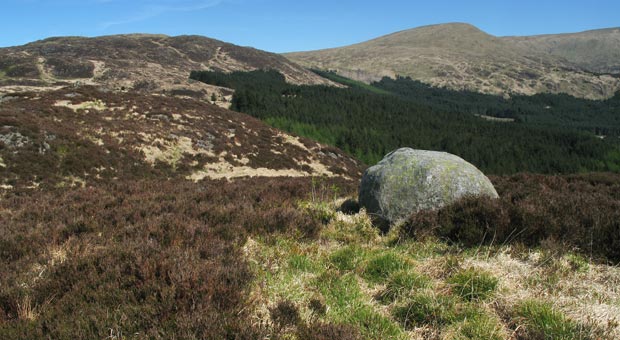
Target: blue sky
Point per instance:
(293, 25)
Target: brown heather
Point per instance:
(144, 259)
(578, 212)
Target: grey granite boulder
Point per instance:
(407, 180)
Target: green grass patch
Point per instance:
(424, 249)
(541, 321)
(346, 304)
(321, 210)
(347, 258)
(374, 325)
(359, 231)
(340, 291)
(477, 327)
(472, 284)
(381, 266)
(301, 263)
(578, 263)
(401, 283)
(424, 309)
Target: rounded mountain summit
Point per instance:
(406, 181)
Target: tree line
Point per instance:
(368, 124)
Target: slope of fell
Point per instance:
(596, 50)
(153, 63)
(460, 56)
(74, 136)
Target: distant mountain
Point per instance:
(460, 56)
(596, 51)
(153, 63)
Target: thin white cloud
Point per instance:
(153, 10)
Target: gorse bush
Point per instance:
(580, 212)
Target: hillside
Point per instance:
(596, 51)
(132, 208)
(541, 135)
(73, 136)
(460, 56)
(149, 63)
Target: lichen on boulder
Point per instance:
(406, 181)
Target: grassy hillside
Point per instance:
(79, 136)
(596, 50)
(460, 56)
(143, 62)
(370, 123)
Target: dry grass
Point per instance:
(580, 295)
(432, 55)
(26, 311)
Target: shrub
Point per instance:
(473, 220)
(581, 212)
(349, 207)
(161, 258)
(284, 314)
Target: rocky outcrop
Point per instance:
(406, 181)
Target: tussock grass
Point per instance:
(382, 265)
(471, 284)
(477, 327)
(541, 321)
(427, 309)
(402, 283)
(364, 285)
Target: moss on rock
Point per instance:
(407, 181)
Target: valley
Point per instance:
(159, 187)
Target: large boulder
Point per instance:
(406, 181)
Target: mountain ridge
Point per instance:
(460, 56)
(593, 50)
(146, 62)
